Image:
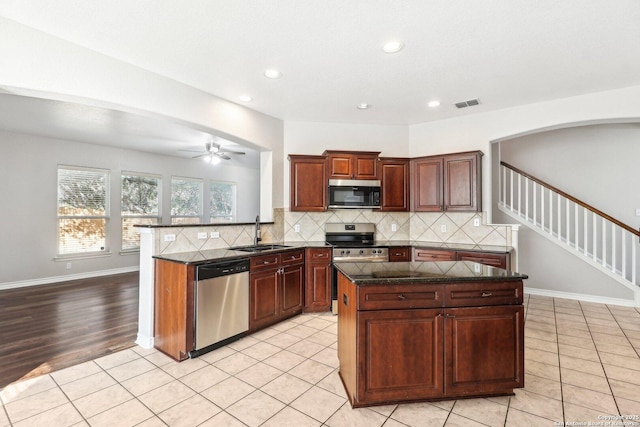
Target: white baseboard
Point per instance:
(144, 341)
(580, 297)
(65, 278)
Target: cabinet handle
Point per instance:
(401, 297)
(486, 294)
(266, 262)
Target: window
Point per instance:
(83, 210)
(186, 200)
(140, 204)
(222, 201)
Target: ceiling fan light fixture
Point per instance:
(433, 104)
(245, 98)
(363, 106)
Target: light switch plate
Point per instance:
(202, 235)
(476, 222)
(169, 237)
(638, 212)
(215, 235)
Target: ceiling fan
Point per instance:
(213, 150)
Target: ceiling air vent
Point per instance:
(469, 103)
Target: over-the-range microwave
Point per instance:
(354, 194)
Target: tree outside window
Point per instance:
(186, 200)
(222, 202)
(140, 205)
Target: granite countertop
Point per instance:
(374, 273)
(199, 257)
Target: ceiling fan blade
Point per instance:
(222, 155)
(191, 151)
(200, 155)
(233, 152)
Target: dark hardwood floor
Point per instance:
(49, 327)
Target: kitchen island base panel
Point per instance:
(383, 362)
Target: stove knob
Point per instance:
(348, 252)
(361, 251)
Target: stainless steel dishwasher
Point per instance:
(221, 304)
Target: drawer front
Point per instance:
(494, 260)
(391, 297)
(264, 262)
(479, 294)
(433, 255)
(400, 254)
(319, 254)
(292, 257)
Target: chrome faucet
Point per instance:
(258, 235)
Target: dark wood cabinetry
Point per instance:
(352, 164)
(276, 287)
(173, 300)
(451, 182)
(308, 186)
(420, 254)
(394, 177)
(400, 254)
(423, 341)
(317, 290)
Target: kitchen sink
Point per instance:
(258, 248)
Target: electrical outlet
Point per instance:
(68, 266)
(476, 222)
(638, 212)
(215, 235)
(202, 235)
(394, 227)
(296, 228)
(443, 228)
(477, 267)
(169, 237)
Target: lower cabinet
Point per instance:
(390, 354)
(400, 254)
(276, 288)
(317, 291)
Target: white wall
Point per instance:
(28, 185)
(315, 137)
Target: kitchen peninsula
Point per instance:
(416, 331)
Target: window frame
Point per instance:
(106, 217)
(124, 216)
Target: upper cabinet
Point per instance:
(394, 177)
(452, 182)
(352, 164)
(308, 186)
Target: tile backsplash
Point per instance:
(448, 227)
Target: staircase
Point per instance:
(597, 238)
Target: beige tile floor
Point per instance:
(581, 360)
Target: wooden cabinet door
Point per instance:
(394, 177)
(340, 166)
(365, 166)
(291, 290)
(386, 338)
(263, 307)
(433, 255)
(308, 186)
(317, 291)
(484, 349)
(426, 185)
(462, 182)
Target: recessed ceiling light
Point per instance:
(392, 47)
(245, 98)
(363, 106)
(433, 104)
(272, 73)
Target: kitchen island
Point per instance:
(418, 331)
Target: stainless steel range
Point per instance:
(352, 242)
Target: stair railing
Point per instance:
(608, 243)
